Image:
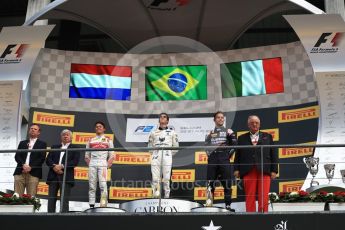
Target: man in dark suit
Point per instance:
(248, 165)
(29, 164)
(56, 162)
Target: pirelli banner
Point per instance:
(130, 175)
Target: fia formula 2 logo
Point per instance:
(144, 129)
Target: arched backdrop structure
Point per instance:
(215, 24)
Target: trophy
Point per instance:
(329, 168)
(312, 163)
(156, 191)
(104, 200)
(342, 172)
(209, 196)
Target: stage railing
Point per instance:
(197, 148)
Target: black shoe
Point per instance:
(92, 206)
(228, 207)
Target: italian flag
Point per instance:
(251, 78)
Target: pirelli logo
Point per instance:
(132, 158)
(42, 189)
(82, 173)
(200, 193)
(296, 152)
(298, 114)
(201, 158)
(53, 119)
(273, 132)
(183, 175)
(290, 186)
(81, 138)
(123, 193)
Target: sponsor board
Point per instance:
(123, 193)
(273, 132)
(201, 158)
(187, 129)
(132, 158)
(82, 173)
(183, 175)
(301, 114)
(296, 152)
(290, 186)
(82, 138)
(157, 205)
(42, 189)
(200, 193)
(53, 119)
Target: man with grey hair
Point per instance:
(255, 169)
(56, 162)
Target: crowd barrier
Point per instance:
(185, 185)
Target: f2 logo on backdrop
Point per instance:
(13, 51)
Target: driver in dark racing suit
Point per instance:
(219, 159)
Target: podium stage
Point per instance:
(174, 221)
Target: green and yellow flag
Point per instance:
(176, 83)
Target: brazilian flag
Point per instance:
(176, 83)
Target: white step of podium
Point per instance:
(103, 210)
(210, 209)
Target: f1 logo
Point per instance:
(19, 52)
(326, 36)
(158, 2)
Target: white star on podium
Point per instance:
(211, 227)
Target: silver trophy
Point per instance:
(209, 195)
(329, 168)
(342, 172)
(312, 164)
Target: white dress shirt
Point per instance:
(30, 146)
(254, 138)
(63, 146)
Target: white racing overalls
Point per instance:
(162, 159)
(98, 167)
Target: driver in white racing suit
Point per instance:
(98, 162)
(163, 136)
